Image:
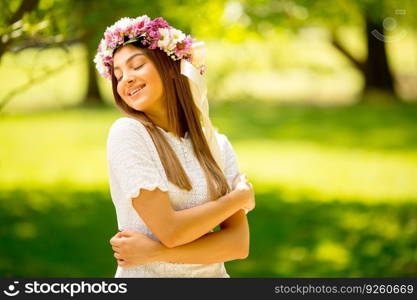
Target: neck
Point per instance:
(160, 119)
(162, 122)
(158, 115)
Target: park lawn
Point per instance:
(334, 189)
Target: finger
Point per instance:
(117, 255)
(115, 242)
(126, 233)
(135, 234)
(116, 249)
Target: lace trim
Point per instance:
(150, 186)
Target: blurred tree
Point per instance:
(10, 19)
(33, 23)
(372, 15)
(378, 19)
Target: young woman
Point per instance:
(173, 178)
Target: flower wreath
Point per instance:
(152, 34)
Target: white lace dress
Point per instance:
(134, 164)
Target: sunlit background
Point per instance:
(318, 98)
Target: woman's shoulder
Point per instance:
(228, 155)
(128, 132)
(223, 142)
(125, 126)
(127, 123)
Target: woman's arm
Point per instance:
(229, 243)
(175, 228)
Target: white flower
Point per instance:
(165, 38)
(108, 52)
(177, 35)
(142, 18)
(123, 23)
(98, 59)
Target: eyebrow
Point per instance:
(130, 58)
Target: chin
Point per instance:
(139, 105)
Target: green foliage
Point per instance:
(56, 232)
(296, 13)
(46, 23)
(306, 238)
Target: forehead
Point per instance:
(122, 54)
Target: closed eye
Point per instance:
(137, 68)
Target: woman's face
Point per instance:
(138, 80)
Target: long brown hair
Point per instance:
(183, 115)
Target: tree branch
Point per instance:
(48, 73)
(358, 64)
(30, 43)
(25, 6)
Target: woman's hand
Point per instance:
(134, 248)
(244, 189)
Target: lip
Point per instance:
(136, 90)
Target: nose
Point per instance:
(129, 78)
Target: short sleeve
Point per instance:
(231, 167)
(130, 159)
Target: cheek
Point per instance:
(119, 90)
(157, 84)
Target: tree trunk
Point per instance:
(92, 97)
(376, 69)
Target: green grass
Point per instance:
(58, 231)
(363, 152)
(335, 190)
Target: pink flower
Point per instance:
(183, 47)
(138, 29)
(159, 23)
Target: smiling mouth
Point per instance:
(136, 91)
